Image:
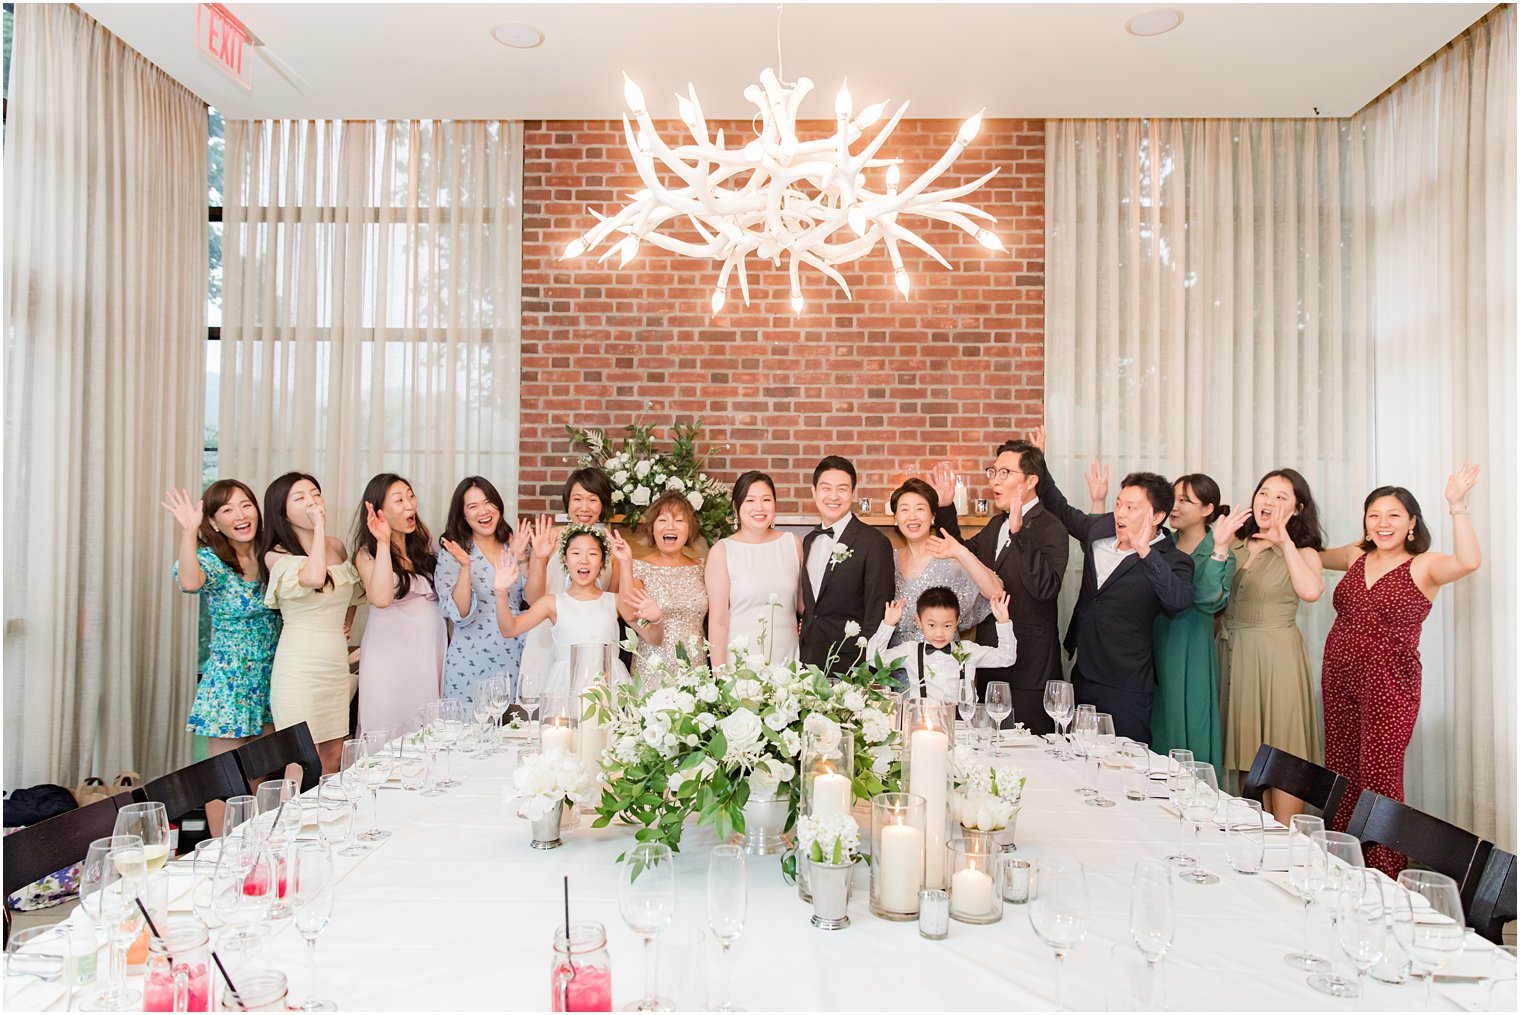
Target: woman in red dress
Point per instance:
(1372, 657)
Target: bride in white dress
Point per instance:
(753, 579)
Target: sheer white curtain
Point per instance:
(105, 279)
(371, 305)
(1444, 369)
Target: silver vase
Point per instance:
(764, 824)
(1001, 838)
(830, 884)
(546, 829)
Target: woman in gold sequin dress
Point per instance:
(666, 589)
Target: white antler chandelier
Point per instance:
(811, 202)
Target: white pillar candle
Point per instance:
(831, 796)
(558, 739)
(593, 741)
(902, 868)
(971, 893)
(930, 779)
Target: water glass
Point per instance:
(1058, 910)
(1360, 921)
(1306, 874)
(43, 952)
(1100, 747)
(1199, 801)
(1152, 920)
(727, 904)
(647, 902)
(1135, 769)
(682, 975)
(1434, 938)
(1398, 911)
(1060, 701)
(311, 889)
(1245, 838)
(208, 853)
(336, 807)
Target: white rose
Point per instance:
(824, 731)
(792, 741)
(642, 469)
(748, 690)
(881, 763)
(741, 728)
(875, 726)
(708, 692)
(853, 700)
(675, 483)
(695, 500)
(776, 721)
(706, 720)
(851, 629)
(620, 477)
(640, 496)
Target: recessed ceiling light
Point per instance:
(1156, 22)
(517, 35)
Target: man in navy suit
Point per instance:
(1133, 573)
(847, 573)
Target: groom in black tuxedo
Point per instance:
(847, 572)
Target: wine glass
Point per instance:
(149, 822)
(247, 883)
(999, 707)
(1360, 927)
(1100, 747)
(452, 716)
(1152, 919)
(1343, 855)
(1059, 702)
(238, 810)
(1438, 937)
(110, 883)
(1200, 798)
(335, 814)
(277, 823)
(1079, 712)
(1306, 873)
(1082, 735)
(529, 692)
(480, 710)
(501, 697)
(965, 702)
(203, 893)
(376, 763)
(1394, 966)
(311, 888)
(1177, 760)
(647, 901)
(1058, 910)
(727, 900)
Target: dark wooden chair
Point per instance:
(266, 757)
(1493, 904)
(34, 852)
(191, 788)
(1314, 784)
(1427, 841)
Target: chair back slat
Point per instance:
(267, 756)
(34, 852)
(1426, 840)
(194, 786)
(1277, 769)
(1493, 904)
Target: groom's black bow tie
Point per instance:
(930, 648)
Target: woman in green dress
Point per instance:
(1186, 709)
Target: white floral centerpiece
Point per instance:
(639, 472)
(542, 782)
(834, 839)
(987, 792)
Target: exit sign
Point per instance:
(224, 39)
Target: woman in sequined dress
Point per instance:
(666, 590)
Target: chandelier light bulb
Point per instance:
(628, 250)
(797, 302)
(969, 130)
(856, 216)
(901, 276)
(894, 176)
(842, 103)
(989, 239)
(869, 115)
(644, 143)
(575, 248)
(634, 97)
(754, 150)
(719, 297)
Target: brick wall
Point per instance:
(885, 380)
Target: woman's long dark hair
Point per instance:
(457, 528)
(1421, 541)
(1303, 528)
(279, 534)
(213, 500)
(411, 554)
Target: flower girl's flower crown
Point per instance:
(574, 529)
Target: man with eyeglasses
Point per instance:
(1026, 547)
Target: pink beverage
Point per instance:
(178, 965)
(590, 988)
(580, 977)
(257, 882)
(158, 990)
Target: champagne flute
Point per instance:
(376, 764)
(1083, 734)
(1058, 910)
(1152, 919)
(149, 822)
(480, 711)
(647, 901)
(1343, 856)
(432, 740)
(311, 887)
(1434, 938)
(1198, 803)
(501, 697)
(1059, 701)
(727, 900)
(999, 707)
(1177, 760)
(238, 810)
(1100, 747)
(351, 767)
(1360, 926)
(110, 883)
(335, 815)
(452, 716)
(1306, 873)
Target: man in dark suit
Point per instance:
(847, 575)
(1132, 574)
(1027, 549)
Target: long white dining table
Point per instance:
(455, 911)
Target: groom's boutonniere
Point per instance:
(840, 553)
(960, 653)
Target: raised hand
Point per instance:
(1000, 608)
(1145, 531)
(893, 613)
(1276, 534)
(1459, 484)
(644, 605)
(1097, 483)
(376, 523)
(1037, 437)
(506, 576)
(1225, 527)
(544, 537)
(188, 513)
(943, 546)
(316, 514)
(522, 535)
(454, 550)
(942, 478)
(621, 551)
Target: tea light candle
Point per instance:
(902, 867)
(1016, 880)
(831, 796)
(971, 892)
(557, 739)
(934, 914)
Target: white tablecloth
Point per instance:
(456, 911)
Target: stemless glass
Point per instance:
(247, 883)
(431, 732)
(1360, 926)
(1100, 747)
(149, 822)
(1079, 712)
(1198, 804)
(727, 902)
(999, 707)
(1058, 910)
(1245, 839)
(110, 883)
(1082, 735)
(1393, 967)
(311, 888)
(335, 814)
(1059, 703)
(1152, 920)
(1177, 783)
(647, 901)
(1135, 766)
(1435, 938)
(1343, 856)
(1306, 873)
(375, 763)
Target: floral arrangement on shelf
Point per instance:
(833, 839)
(986, 791)
(545, 781)
(639, 472)
(703, 741)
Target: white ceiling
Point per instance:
(1023, 60)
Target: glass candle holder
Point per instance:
(975, 870)
(934, 914)
(827, 774)
(561, 718)
(897, 854)
(928, 740)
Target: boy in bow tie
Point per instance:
(937, 665)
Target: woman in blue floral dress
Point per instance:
(218, 557)
(474, 539)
